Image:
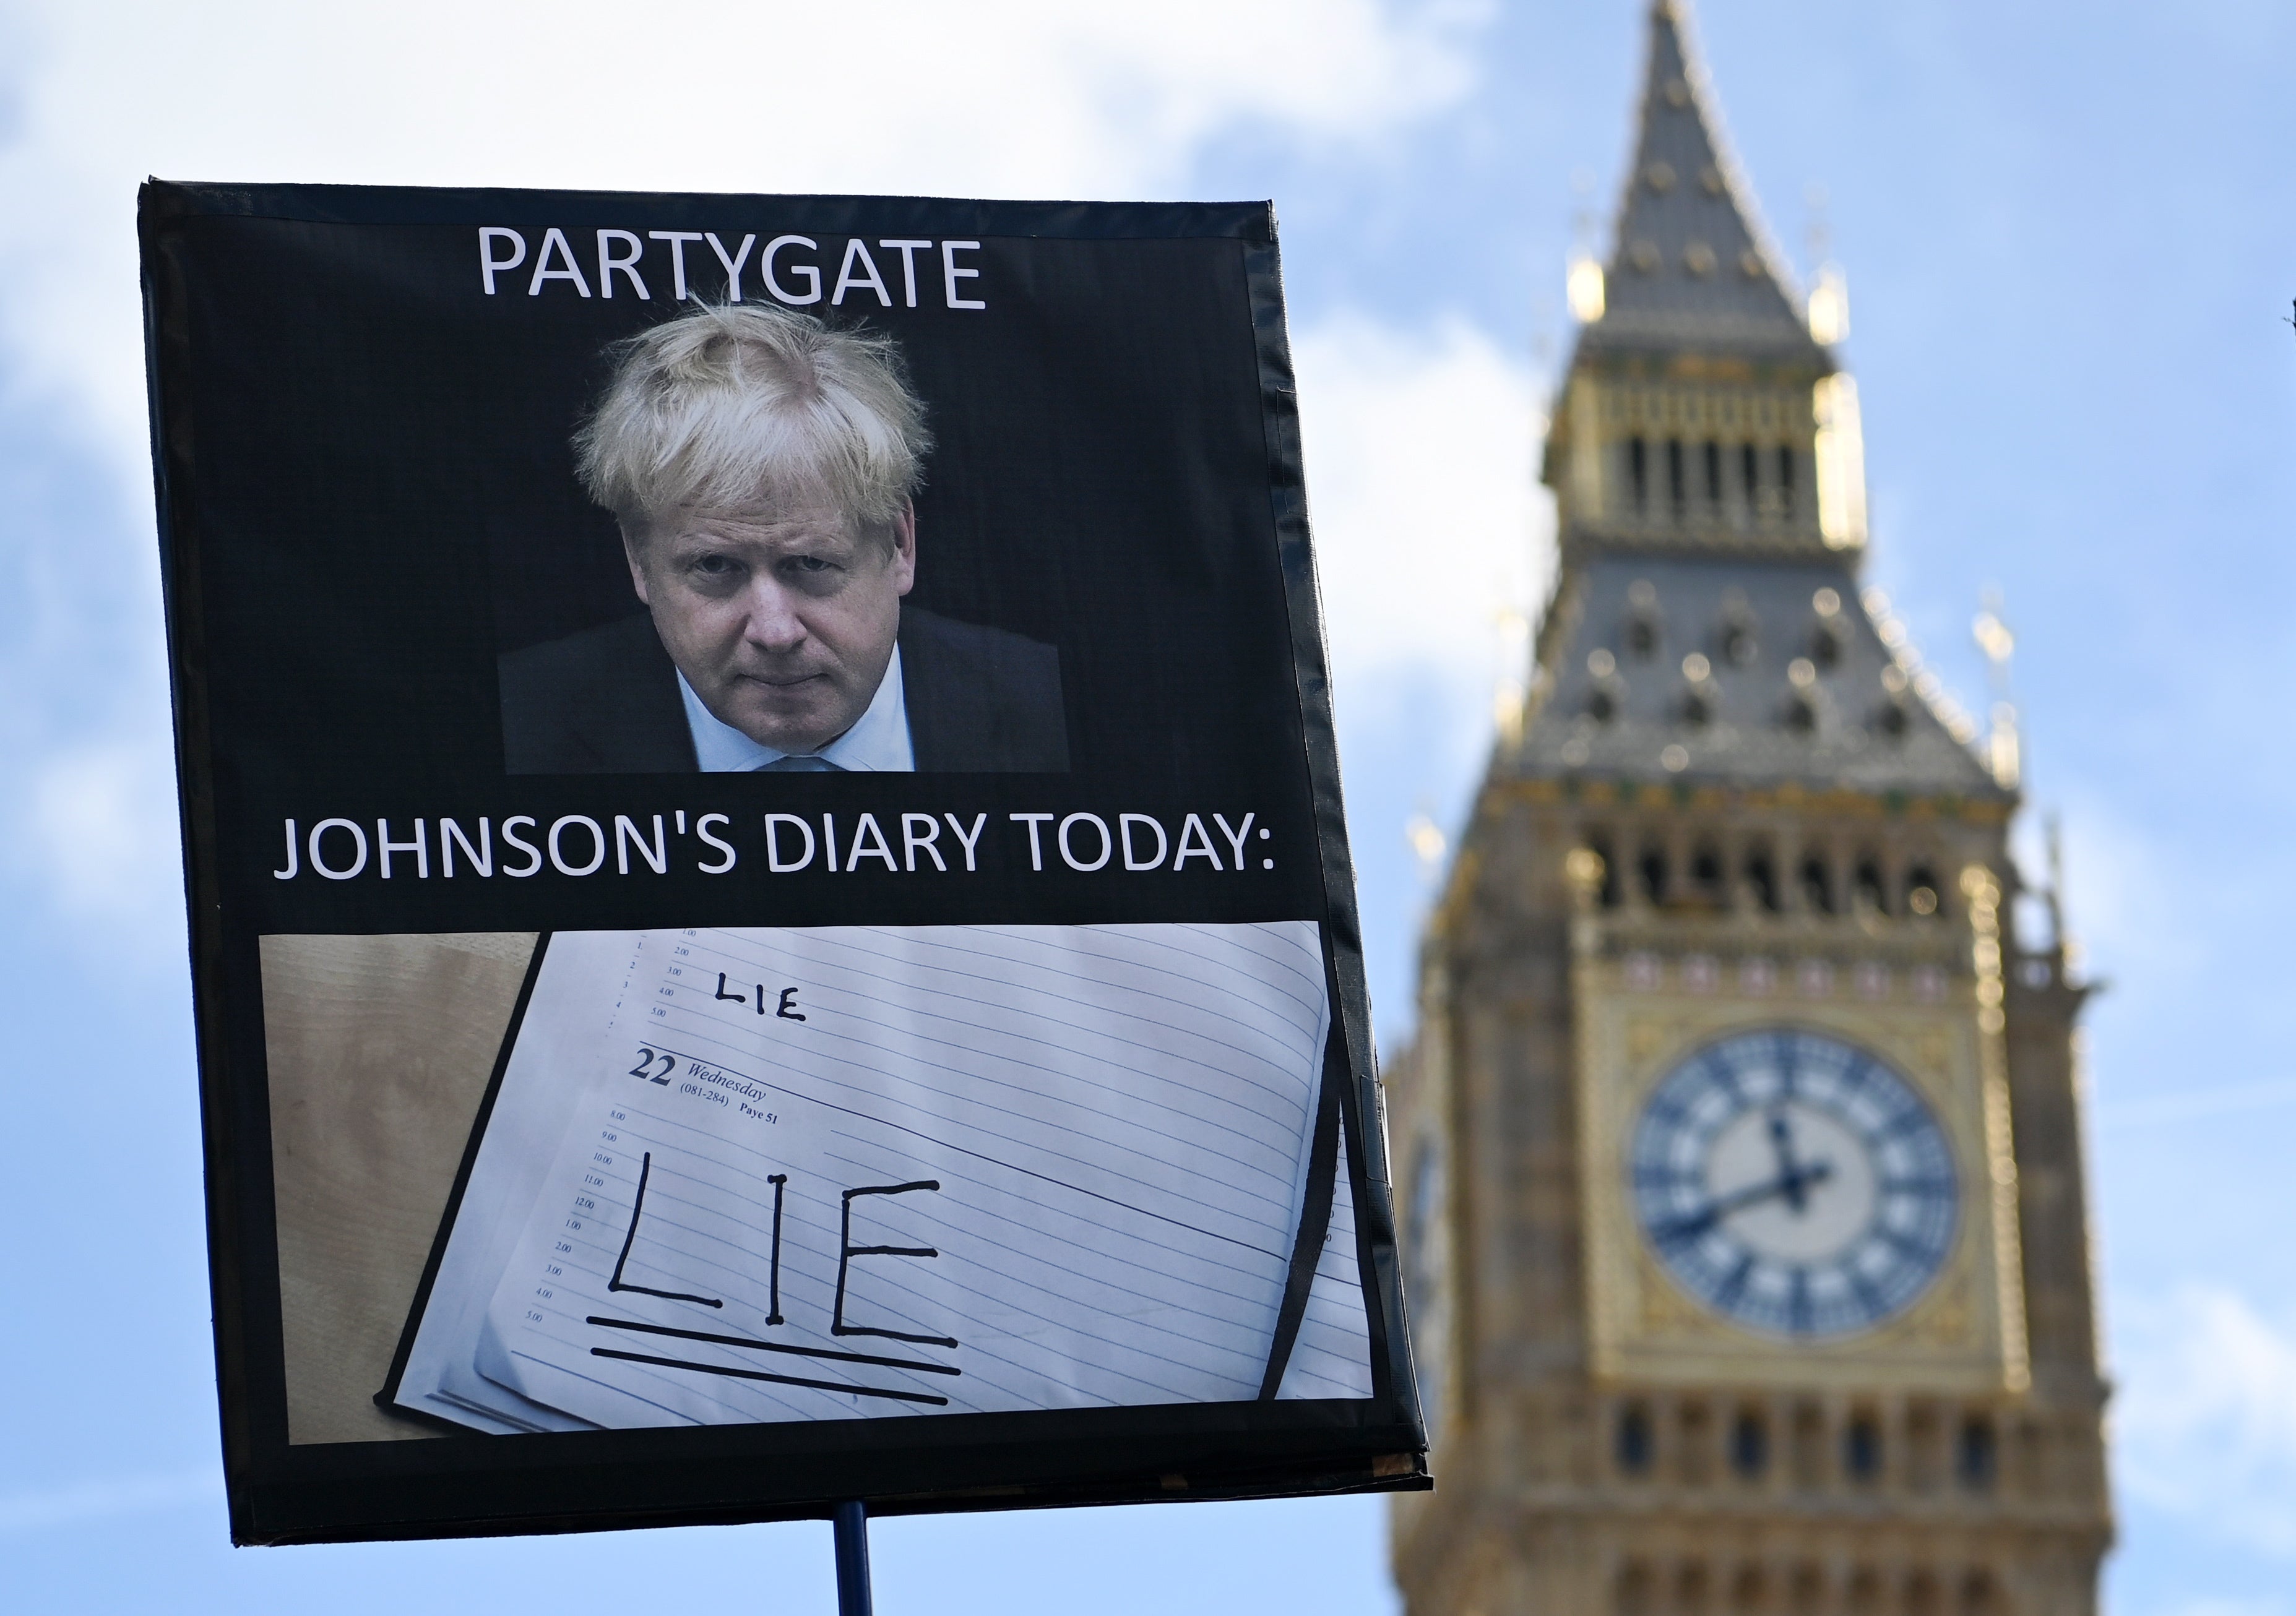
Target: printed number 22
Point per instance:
(646, 1058)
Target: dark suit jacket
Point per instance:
(605, 701)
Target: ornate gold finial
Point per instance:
(1994, 640)
(1583, 868)
(1428, 845)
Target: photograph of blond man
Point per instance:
(762, 467)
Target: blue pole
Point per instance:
(852, 1526)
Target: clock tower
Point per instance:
(1739, 1154)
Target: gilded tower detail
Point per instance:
(1739, 1153)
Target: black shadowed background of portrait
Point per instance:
(1100, 484)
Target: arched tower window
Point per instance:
(1750, 475)
(1654, 876)
(1861, 1450)
(1636, 1445)
(1643, 629)
(1750, 1444)
(1922, 1595)
(1825, 649)
(1785, 480)
(1976, 1457)
(1867, 887)
(1865, 1596)
(1689, 1590)
(1762, 880)
(1977, 1597)
(1816, 885)
(1638, 474)
(1634, 1595)
(1706, 878)
(1678, 485)
(1713, 473)
(1749, 1592)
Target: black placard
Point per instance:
(468, 863)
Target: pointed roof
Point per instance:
(1698, 670)
(1684, 648)
(1691, 266)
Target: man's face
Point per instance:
(782, 622)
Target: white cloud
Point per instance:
(102, 818)
(2205, 1423)
(1428, 527)
(1025, 97)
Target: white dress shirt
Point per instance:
(878, 742)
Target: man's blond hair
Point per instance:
(740, 408)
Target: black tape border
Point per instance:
(1394, 1385)
(165, 203)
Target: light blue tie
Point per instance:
(799, 763)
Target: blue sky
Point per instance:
(2071, 250)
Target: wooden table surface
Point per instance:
(379, 1049)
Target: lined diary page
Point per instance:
(844, 1171)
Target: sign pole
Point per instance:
(852, 1526)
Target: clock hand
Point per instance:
(1816, 1172)
(1794, 1179)
(1789, 1184)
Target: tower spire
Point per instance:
(1692, 265)
(1700, 414)
(1708, 463)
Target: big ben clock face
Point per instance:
(1794, 1184)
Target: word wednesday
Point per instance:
(788, 268)
(577, 844)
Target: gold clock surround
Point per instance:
(1643, 1325)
